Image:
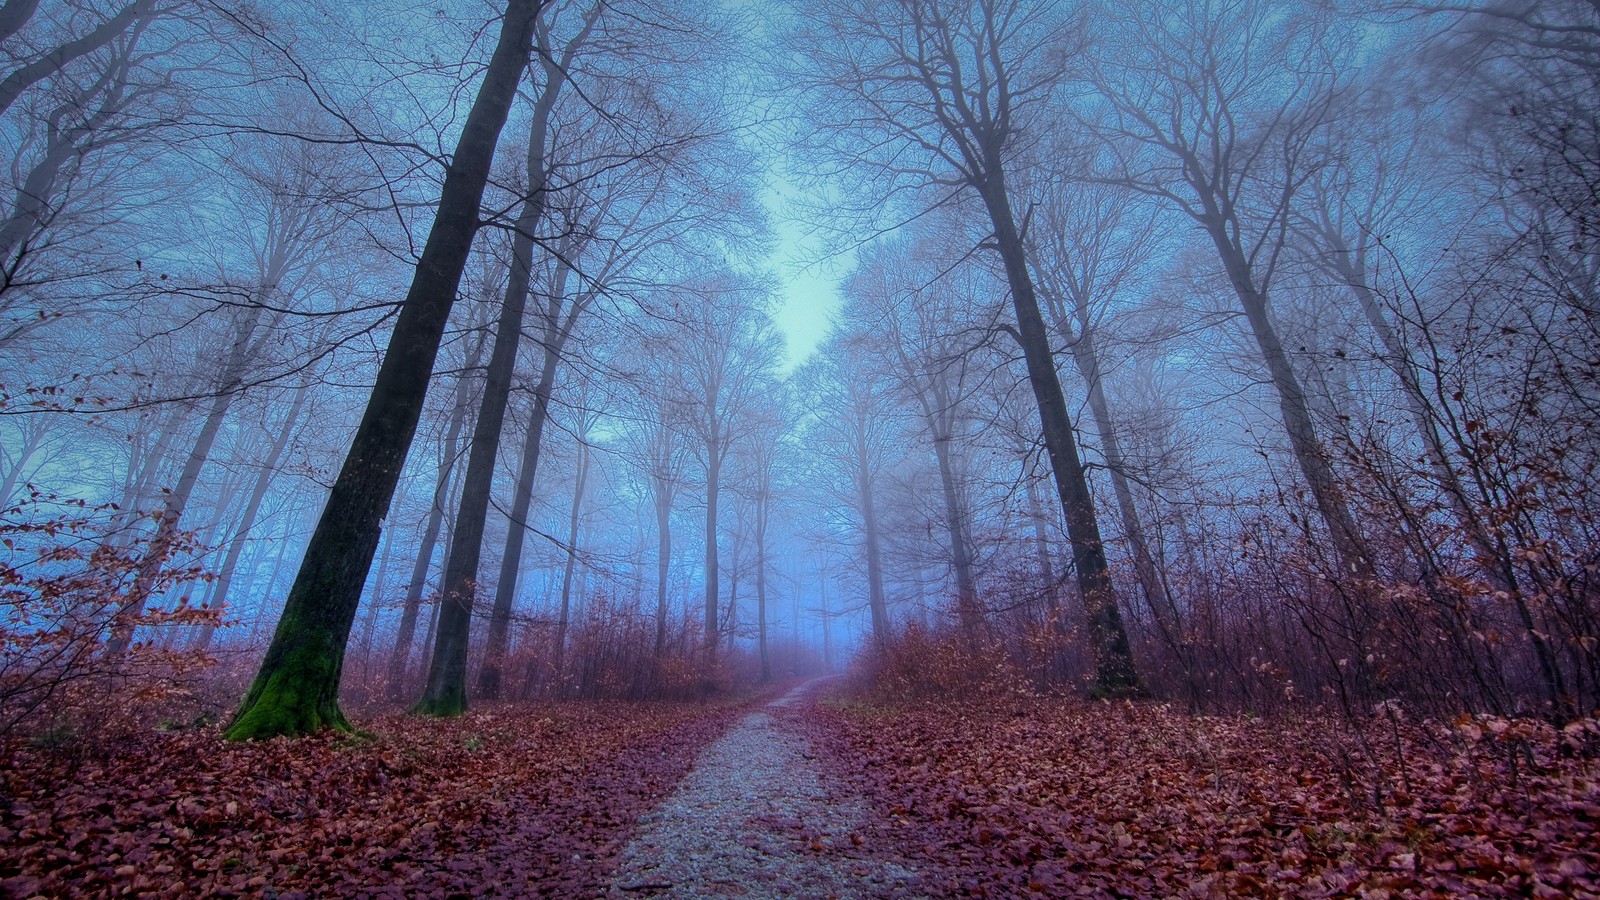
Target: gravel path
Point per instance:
(755, 819)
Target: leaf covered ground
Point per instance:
(515, 801)
(1028, 796)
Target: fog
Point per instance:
(1232, 352)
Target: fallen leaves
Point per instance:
(511, 801)
(1054, 797)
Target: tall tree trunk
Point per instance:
(446, 694)
(297, 688)
(663, 565)
(1085, 352)
(284, 541)
(730, 621)
(1294, 409)
(491, 675)
(827, 624)
(1041, 545)
(400, 657)
(713, 477)
(446, 691)
(761, 511)
(369, 620)
(877, 604)
(247, 519)
(968, 612)
(141, 480)
(1114, 669)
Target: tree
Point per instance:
(953, 84)
(400, 656)
(852, 433)
(656, 441)
(929, 325)
(718, 373)
(446, 692)
(1089, 246)
(281, 192)
(296, 689)
(583, 425)
(1199, 118)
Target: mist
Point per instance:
(422, 361)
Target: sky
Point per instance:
(810, 280)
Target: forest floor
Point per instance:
(814, 795)
(1021, 796)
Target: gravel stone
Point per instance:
(756, 819)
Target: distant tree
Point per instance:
(718, 373)
(284, 188)
(850, 434)
(929, 333)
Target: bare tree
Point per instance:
(851, 434)
(946, 89)
(719, 375)
(1200, 118)
(446, 691)
(930, 330)
(297, 688)
(1090, 245)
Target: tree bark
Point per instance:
(296, 689)
(1294, 408)
(454, 621)
(763, 508)
(876, 601)
(1086, 354)
(713, 477)
(1041, 545)
(400, 658)
(1114, 669)
(664, 494)
(446, 691)
(491, 675)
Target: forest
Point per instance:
(884, 448)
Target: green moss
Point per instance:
(296, 697)
(452, 705)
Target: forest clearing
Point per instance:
(881, 448)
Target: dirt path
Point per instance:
(755, 818)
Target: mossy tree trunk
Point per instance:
(296, 690)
